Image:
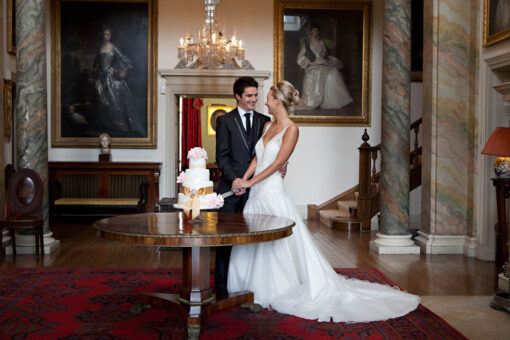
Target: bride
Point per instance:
(291, 275)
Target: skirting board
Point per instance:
(446, 244)
(27, 250)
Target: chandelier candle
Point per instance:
(212, 49)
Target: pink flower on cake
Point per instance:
(197, 153)
(182, 177)
(216, 201)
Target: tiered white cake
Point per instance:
(196, 181)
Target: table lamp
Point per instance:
(499, 145)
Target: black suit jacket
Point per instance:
(232, 151)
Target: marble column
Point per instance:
(450, 142)
(30, 111)
(394, 236)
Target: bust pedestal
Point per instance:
(105, 157)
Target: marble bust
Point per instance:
(104, 141)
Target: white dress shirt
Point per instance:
(243, 118)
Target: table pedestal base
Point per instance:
(195, 298)
(196, 313)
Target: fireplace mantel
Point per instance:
(200, 83)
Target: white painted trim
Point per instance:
(196, 82)
(446, 244)
(470, 246)
(485, 248)
(25, 244)
(499, 61)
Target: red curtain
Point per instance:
(191, 127)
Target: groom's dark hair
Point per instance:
(242, 83)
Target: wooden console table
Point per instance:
(502, 193)
(105, 183)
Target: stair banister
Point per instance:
(365, 155)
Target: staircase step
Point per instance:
(327, 215)
(343, 207)
(346, 223)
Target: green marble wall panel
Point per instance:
(450, 78)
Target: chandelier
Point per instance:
(212, 49)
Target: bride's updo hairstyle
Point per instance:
(286, 92)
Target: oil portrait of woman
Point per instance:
(324, 50)
(105, 73)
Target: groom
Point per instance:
(236, 135)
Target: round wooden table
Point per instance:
(173, 229)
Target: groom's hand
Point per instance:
(239, 184)
(283, 170)
(242, 192)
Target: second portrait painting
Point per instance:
(324, 50)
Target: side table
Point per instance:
(501, 300)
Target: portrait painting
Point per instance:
(323, 48)
(104, 79)
(213, 113)
(496, 21)
(417, 40)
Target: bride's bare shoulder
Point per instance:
(293, 128)
(292, 131)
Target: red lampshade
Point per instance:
(498, 143)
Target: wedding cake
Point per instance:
(196, 183)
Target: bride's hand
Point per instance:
(243, 183)
(236, 184)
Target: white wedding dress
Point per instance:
(292, 276)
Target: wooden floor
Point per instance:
(418, 274)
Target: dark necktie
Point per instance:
(248, 123)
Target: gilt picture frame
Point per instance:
(104, 60)
(213, 113)
(325, 44)
(496, 21)
(11, 27)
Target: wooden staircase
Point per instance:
(354, 208)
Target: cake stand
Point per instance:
(198, 219)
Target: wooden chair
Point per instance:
(24, 194)
(9, 171)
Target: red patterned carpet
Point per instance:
(87, 303)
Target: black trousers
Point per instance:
(232, 204)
